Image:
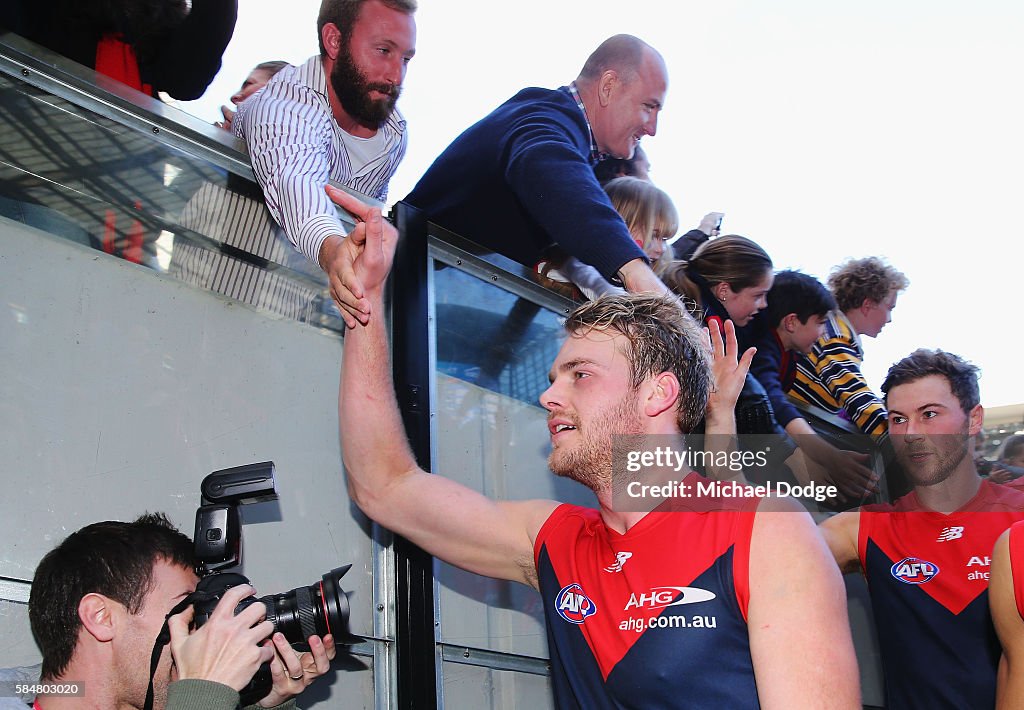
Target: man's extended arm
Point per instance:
(446, 519)
(289, 139)
(637, 276)
(587, 279)
(557, 186)
(289, 142)
(841, 533)
(1009, 627)
(846, 469)
(800, 639)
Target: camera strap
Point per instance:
(164, 637)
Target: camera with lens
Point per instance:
(318, 609)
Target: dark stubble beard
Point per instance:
(353, 91)
(949, 452)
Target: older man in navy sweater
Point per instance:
(522, 179)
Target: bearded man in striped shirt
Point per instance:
(333, 118)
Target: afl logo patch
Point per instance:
(912, 570)
(573, 605)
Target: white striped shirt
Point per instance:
(296, 146)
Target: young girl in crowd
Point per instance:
(650, 217)
(649, 214)
(727, 278)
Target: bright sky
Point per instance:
(823, 130)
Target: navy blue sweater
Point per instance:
(521, 179)
(775, 369)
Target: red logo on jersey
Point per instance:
(911, 570)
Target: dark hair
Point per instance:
(1010, 446)
(144, 24)
(732, 259)
(858, 280)
(111, 558)
(344, 13)
(662, 338)
(611, 168)
(961, 375)
(795, 292)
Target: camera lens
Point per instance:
(321, 608)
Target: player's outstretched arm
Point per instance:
(841, 533)
(1009, 626)
(800, 638)
(448, 520)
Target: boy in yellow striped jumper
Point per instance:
(829, 376)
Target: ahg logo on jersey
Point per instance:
(573, 604)
(661, 597)
(979, 561)
(911, 570)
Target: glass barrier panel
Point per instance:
(122, 390)
(494, 350)
(467, 686)
(89, 179)
(492, 338)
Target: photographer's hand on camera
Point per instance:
(227, 649)
(293, 672)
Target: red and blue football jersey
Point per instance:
(655, 617)
(1017, 564)
(928, 576)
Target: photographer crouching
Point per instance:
(99, 602)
